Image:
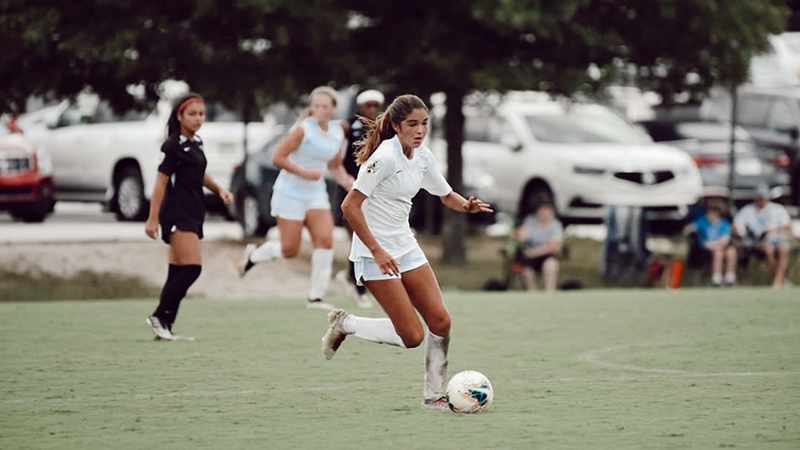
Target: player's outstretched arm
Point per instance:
(457, 202)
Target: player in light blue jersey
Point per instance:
(300, 197)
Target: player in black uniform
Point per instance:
(368, 105)
(177, 206)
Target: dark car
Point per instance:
(26, 182)
(772, 117)
(708, 143)
(252, 182)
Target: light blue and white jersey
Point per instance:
(758, 221)
(540, 233)
(390, 180)
(314, 152)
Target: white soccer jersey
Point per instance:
(389, 180)
(314, 152)
(757, 221)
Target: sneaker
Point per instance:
(435, 403)
(335, 335)
(730, 279)
(363, 301)
(716, 280)
(319, 304)
(245, 264)
(177, 337)
(158, 328)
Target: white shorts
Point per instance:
(291, 208)
(367, 270)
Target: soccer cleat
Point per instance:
(319, 304)
(335, 335)
(245, 264)
(361, 300)
(435, 403)
(158, 328)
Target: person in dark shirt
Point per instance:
(368, 106)
(177, 206)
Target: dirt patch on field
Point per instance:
(142, 264)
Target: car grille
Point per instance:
(14, 164)
(646, 177)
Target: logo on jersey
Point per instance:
(186, 149)
(374, 167)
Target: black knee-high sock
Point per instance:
(361, 289)
(174, 290)
(172, 272)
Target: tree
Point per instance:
(249, 53)
(461, 46)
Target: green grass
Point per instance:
(687, 369)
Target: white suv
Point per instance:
(99, 156)
(579, 157)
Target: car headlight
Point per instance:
(588, 170)
(748, 167)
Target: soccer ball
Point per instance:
(469, 392)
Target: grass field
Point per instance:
(687, 369)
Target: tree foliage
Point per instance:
(249, 53)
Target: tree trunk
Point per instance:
(732, 154)
(455, 223)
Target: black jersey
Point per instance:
(357, 130)
(185, 164)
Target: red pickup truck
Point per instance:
(26, 181)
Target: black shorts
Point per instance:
(536, 263)
(170, 226)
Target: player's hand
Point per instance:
(387, 264)
(474, 205)
(312, 174)
(151, 228)
(226, 196)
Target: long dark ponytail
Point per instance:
(380, 129)
(173, 125)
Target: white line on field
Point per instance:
(594, 357)
(155, 395)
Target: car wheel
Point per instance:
(535, 195)
(250, 217)
(34, 212)
(130, 202)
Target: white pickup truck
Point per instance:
(99, 156)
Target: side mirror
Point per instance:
(511, 141)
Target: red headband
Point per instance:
(187, 102)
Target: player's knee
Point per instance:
(440, 325)
(290, 251)
(412, 340)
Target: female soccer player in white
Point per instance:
(299, 196)
(387, 257)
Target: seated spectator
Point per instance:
(541, 235)
(714, 239)
(766, 226)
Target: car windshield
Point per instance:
(584, 126)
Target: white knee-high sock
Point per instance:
(321, 269)
(268, 251)
(436, 348)
(380, 331)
